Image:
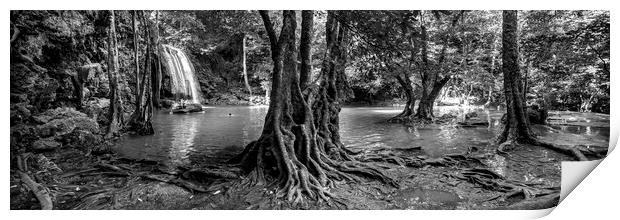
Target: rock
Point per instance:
(471, 115)
(82, 139)
(166, 103)
(22, 135)
(19, 113)
(45, 144)
(62, 121)
(96, 108)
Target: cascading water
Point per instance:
(183, 82)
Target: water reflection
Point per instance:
(182, 142)
(178, 137)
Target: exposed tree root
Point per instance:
(41, 192)
(575, 152)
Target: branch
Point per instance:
(269, 28)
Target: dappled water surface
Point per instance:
(225, 130)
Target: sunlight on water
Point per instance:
(183, 141)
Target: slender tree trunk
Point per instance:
(245, 73)
(115, 115)
(156, 75)
(299, 148)
(136, 58)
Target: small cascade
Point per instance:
(184, 84)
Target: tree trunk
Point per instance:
(407, 87)
(517, 125)
(136, 60)
(156, 75)
(140, 120)
(245, 73)
(305, 47)
(425, 107)
(299, 148)
(115, 114)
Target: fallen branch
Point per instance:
(39, 191)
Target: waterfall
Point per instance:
(183, 82)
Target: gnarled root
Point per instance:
(39, 191)
(299, 168)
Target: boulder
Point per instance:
(97, 109)
(62, 121)
(19, 113)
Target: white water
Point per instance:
(183, 81)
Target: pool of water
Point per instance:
(225, 130)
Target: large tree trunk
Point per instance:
(299, 148)
(305, 51)
(115, 114)
(407, 87)
(427, 102)
(431, 84)
(517, 125)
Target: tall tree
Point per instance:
(245, 73)
(517, 127)
(136, 58)
(156, 74)
(299, 148)
(140, 120)
(115, 114)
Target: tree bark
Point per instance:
(407, 87)
(431, 84)
(136, 59)
(307, 31)
(517, 125)
(427, 102)
(115, 115)
(140, 121)
(245, 73)
(156, 75)
(299, 148)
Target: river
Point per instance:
(182, 139)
